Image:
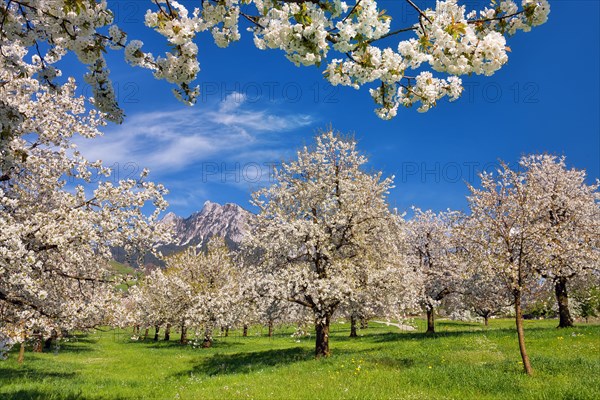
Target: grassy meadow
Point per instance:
(461, 361)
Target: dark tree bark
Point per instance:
(353, 326)
(270, 328)
(227, 332)
(521, 334)
(168, 333)
(430, 320)
(50, 340)
(486, 320)
(146, 332)
(208, 341)
(245, 331)
(562, 298)
(183, 339)
(38, 340)
(156, 331)
(322, 340)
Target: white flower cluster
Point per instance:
(368, 65)
(448, 38)
(118, 38)
(507, 18)
(66, 26)
(458, 47)
(6, 343)
(426, 89)
(180, 65)
(221, 19)
(364, 24)
(298, 29)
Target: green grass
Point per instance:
(122, 269)
(462, 361)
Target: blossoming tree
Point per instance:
(502, 236)
(568, 212)
(433, 253)
(324, 228)
(218, 300)
(484, 293)
(155, 301)
(353, 41)
(59, 214)
(197, 289)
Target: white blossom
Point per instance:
(346, 37)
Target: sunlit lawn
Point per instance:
(463, 360)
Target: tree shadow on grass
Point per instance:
(404, 336)
(77, 343)
(32, 394)
(151, 344)
(243, 363)
(70, 347)
(174, 344)
(81, 338)
(25, 373)
(392, 363)
(220, 343)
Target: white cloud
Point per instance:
(170, 141)
(232, 102)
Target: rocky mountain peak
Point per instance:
(228, 221)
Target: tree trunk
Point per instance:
(486, 320)
(156, 329)
(430, 320)
(270, 328)
(183, 339)
(353, 326)
(38, 346)
(364, 323)
(245, 332)
(208, 341)
(227, 332)
(560, 288)
(521, 335)
(21, 353)
(322, 341)
(168, 333)
(146, 333)
(48, 342)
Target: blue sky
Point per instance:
(256, 109)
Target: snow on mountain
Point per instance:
(228, 221)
